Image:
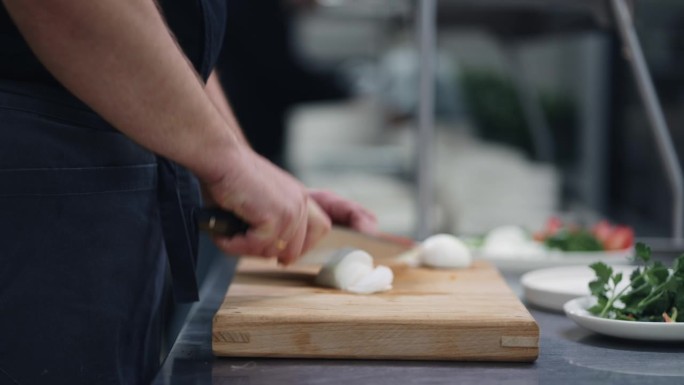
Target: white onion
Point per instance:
(504, 238)
(345, 269)
(444, 251)
(352, 270)
(410, 258)
(380, 279)
(511, 241)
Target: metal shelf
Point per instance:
(426, 18)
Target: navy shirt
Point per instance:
(198, 26)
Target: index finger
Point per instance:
(318, 225)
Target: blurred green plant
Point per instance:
(494, 107)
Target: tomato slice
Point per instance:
(553, 225)
(603, 230)
(621, 238)
(612, 237)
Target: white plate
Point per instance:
(551, 288)
(520, 263)
(645, 331)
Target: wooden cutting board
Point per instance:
(467, 314)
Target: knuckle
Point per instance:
(289, 215)
(260, 246)
(287, 256)
(327, 223)
(327, 227)
(265, 252)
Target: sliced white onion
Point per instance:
(380, 279)
(345, 269)
(445, 251)
(352, 270)
(410, 258)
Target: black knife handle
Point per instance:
(220, 222)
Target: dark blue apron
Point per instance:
(86, 220)
(86, 217)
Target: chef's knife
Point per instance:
(220, 222)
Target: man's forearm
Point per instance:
(120, 59)
(215, 92)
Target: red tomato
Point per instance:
(603, 230)
(539, 236)
(553, 225)
(621, 238)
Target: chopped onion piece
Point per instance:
(445, 251)
(410, 258)
(378, 280)
(352, 270)
(345, 269)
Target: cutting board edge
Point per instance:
(362, 341)
(224, 318)
(530, 357)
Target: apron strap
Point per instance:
(178, 233)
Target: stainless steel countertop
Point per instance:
(569, 354)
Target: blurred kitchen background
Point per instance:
(536, 110)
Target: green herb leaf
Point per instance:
(657, 274)
(643, 252)
(578, 240)
(656, 306)
(601, 301)
(617, 278)
(596, 309)
(678, 266)
(634, 297)
(603, 271)
(652, 290)
(597, 287)
(635, 278)
(678, 301)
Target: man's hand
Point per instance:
(283, 221)
(345, 212)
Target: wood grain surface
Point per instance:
(467, 314)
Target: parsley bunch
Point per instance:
(654, 293)
(577, 240)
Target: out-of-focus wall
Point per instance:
(602, 148)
